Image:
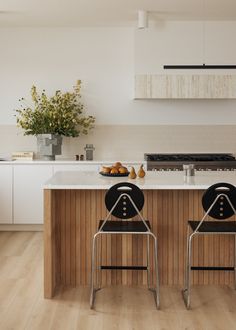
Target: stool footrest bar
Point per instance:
(211, 268)
(125, 267)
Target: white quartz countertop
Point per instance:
(70, 162)
(152, 180)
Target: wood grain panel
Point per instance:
(51, 256)
(72, 217)
(185, 86)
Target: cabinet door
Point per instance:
(28, 192)
(219, 48)
(5, 194)
(79, 167)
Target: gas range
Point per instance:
(202, 161)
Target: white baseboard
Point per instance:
(21, 227)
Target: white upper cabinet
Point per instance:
(6, 194)
(168, 43)
(219, 43)
(28, 192)
(176, 42)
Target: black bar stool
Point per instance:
(124, 201)
(219, 202)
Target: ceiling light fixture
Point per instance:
(142, 19)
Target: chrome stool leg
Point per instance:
(156, 289)
(148, 261)
(186, 291)
(93, 290)
(186, 260)
(157, 275)
(100, 264)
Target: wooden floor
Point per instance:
(22, 305)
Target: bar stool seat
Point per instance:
(213, 226)
(125, 226)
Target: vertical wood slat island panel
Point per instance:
(71, 219)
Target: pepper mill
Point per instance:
(89, 151)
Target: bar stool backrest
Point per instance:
(126, 194)
(219, 200)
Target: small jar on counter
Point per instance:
(89, 151)
(189, 169)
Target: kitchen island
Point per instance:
(74, 204)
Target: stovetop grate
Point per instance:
(203, 157)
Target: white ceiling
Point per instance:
(78, 13)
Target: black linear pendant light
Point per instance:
(201, 66)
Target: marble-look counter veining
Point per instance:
(152, 180)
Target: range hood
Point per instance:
(185, 86)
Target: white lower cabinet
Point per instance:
(28, 192)
(6, 194)
(21, 189)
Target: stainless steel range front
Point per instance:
(202, 162)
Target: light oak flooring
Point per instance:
(22, 305)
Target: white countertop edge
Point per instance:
(106, 187)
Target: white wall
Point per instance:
(56, 58)
(130, 142)
(104, 59)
